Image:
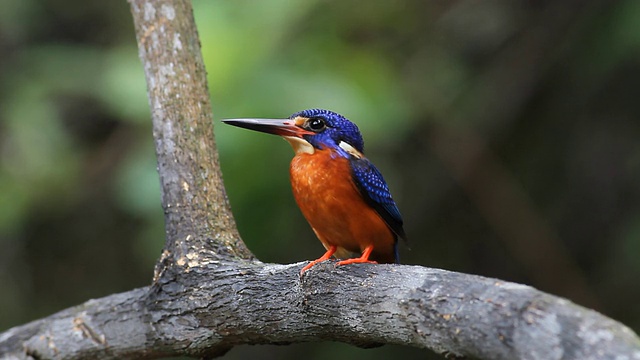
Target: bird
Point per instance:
(342, 195)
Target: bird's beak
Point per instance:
(282, 127)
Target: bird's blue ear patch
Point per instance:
(338, 128)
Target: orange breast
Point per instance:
(331, 203)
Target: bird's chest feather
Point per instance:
(321, 182)
(332, 204)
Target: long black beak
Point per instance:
(282, 127)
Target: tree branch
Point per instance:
(223, 304)
(198, 219)
(208, 295)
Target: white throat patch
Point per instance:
(351, 150)
(300, 146)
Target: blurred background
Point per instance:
(507, 130)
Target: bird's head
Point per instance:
(311, 130)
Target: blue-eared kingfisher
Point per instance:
(339, 191)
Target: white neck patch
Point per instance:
(300, 146)
(351, 150)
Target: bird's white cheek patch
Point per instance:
(300, 145)
(351, 150)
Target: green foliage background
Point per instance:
(548, 89)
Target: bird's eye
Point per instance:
(316, 124)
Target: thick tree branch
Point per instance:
(199, 222)
(208, 294)
(223, 304)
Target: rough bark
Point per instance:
(222, 304)
(209, 295)
(198, 220)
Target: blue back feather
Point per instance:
(376, 193)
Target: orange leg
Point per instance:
(332, 249)
(362, 259)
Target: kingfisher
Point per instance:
(340, 192)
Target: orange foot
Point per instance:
(362, 259)
(332, 249)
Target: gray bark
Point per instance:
(208, 308)
(198, 219)
(209, 293)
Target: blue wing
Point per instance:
(376, 193)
